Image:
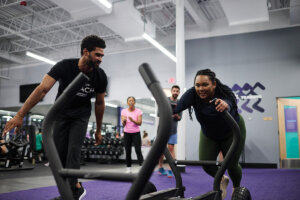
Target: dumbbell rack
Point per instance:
(110, 150)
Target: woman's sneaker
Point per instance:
(170, 174)
(79, 193)
(223, 186)
(162, 172)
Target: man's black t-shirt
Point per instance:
(65, 72)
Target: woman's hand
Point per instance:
(130, 118)
(221, 105)
(124, 122)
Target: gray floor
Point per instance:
(41, 176)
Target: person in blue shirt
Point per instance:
(215, 135)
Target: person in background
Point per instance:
(117, 134)
(216, 135)
(175, 91)
(131, 120)
(145, 141)
(39, 144)
(3, 148)
(71, 123)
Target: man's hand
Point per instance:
(98, 137)
(14, 122)
(176, 116)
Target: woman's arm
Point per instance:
(123, 118)
(138, 121)
(185, 101)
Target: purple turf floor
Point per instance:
(264, 184)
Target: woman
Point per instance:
(131, 120)
(145, 141)
(216, 135)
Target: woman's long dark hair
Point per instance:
(221, 89)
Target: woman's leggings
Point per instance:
(209, 150)
(134, 138)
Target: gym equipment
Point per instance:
(14, 159)
(110, 150)
(60, 174)
(240, 193)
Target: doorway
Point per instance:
(288, 109)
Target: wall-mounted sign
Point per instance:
(248, 97)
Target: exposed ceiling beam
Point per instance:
(4, 77)
(155, 3)
(19, 34)
(198, 16)
(12, 58)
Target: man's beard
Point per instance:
(174, 96)
(92, 64)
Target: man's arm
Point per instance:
(99, 111)
(39, 92)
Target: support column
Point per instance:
(180, 76)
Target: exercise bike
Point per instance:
(14, 158)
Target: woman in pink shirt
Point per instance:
(131, 120)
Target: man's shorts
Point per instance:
(173, 139)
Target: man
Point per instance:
(71, 124)
(3, 148)
(175, 91)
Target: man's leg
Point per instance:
(4, 150)
(76, 137)
(161, 161)
(171, 147)
(61, 137)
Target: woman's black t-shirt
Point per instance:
(211, 121)
(65, 72)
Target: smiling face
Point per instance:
(95, 57)
(204, 87)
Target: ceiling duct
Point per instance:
(294, 12)
(126, 21)
(245, 12)
(80, 9)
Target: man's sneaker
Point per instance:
(170, 174)
(128, 170)
(79, 193)
(223, 186)
(162, 172)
